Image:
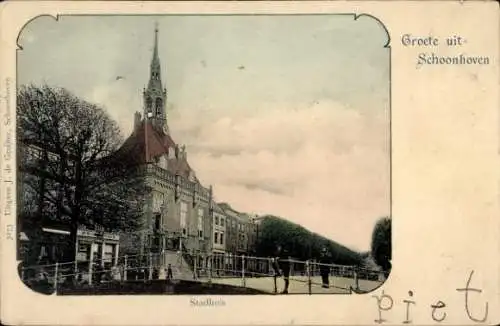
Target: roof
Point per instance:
(227, 208)
(244, 217)
(217, 208)
(158, 144)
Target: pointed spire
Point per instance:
(155, 96)
(156, 59)
(155, 76)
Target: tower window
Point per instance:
(158, 106)
(148, 105)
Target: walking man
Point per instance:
(282, 263)
(169, 272)
(324, 269)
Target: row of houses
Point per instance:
(234, 234)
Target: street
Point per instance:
(298, 284)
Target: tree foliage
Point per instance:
(382, 244)
(301, 243)
(68, 170)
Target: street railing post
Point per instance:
(275, 274)
(150, 276)
(233, 269)
(91, 263)
(195, 264)
(56, 276)
(308, 271)
(356, 279)
(210, 264)
(243, 270)
(125, 268)
(75, 274)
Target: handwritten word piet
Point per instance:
(437, 310)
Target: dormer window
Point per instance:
(163, 163)
(171, 153)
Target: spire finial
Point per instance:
(156, 40)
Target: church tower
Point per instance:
(155, 96)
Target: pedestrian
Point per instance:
(169, 272)
(282, 266)
(324, 268)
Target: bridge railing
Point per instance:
(205, 268)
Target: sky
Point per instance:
(283, 115)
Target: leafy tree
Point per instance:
(68, 171)
(381, 243)
(301, 243)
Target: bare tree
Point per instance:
(68, 163)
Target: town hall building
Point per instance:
(178, 212)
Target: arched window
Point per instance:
(157, 221)
(149, 102)
(158, 105)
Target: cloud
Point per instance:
(117, 100)
(321, 165)
(301, 132)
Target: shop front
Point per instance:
(99, 247)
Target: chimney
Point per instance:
(176, 151)
(137, 120)
(183, 152)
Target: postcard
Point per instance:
(250, 163)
